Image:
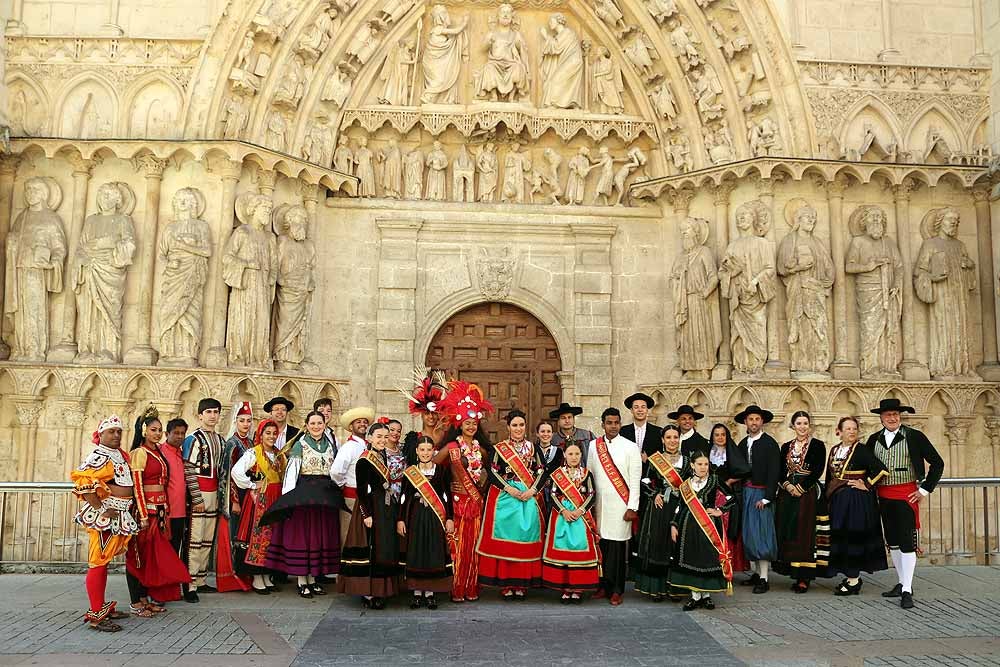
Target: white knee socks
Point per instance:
(907, 564)
(894, 554)
(762, 567)
(695, 595)
(259, 582)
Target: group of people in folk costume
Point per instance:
(445, 511)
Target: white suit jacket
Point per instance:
(610, 507)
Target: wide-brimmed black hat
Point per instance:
(685, 410)
(639, 396)
(278, 400)
(565, 409)
(754, 410)
(892, 404)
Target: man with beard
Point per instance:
(279, 407)
(760, 539)
(356, 421)
(691, 441)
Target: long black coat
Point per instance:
(926, 463)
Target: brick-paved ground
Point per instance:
(956, 622)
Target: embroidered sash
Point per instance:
(572, 492)
(611, 470)
(666, 469)
(708, 527)
(511, 458)
(372, 457)
(423, 486)
(471, 490)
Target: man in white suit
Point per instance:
(616, 464)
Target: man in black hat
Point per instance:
(566, 430)
(202, 451)
(648, 436)
(691, 441)
(279, 407)
(913, 469)
(760, 541)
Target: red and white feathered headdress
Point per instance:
(428, 393)
(464, 401)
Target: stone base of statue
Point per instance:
(722, 372)
(142, 355)
(989, 372)
(777, 369)
(841, 370)
(216, 357)
(177, 362)
(63, 353)
(914, 371)
(4, 351)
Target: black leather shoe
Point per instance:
(207, 589)
(691, 605)
(761, 587)
(417, 603)
(752, 581)
(893, 592)
(317, 589)
(906, 600)
(432, 603)
(191, 596)
(305, 592)
(378, 603)
(845, 589)
(261, 591)
(706, 603)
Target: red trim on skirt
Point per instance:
(490, 547)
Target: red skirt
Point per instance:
(153, 561)
(569, 570)
(507, 563)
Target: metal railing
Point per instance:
(959, 523)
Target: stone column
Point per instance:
(142, 353)
(396, 320)
(65, 350)
(8, 170)
(592, 289)
(889, 53)
(776, 366)
(957, 433)
(841, 368)
(990, 369)
(310, 198)
(27, 409)
(112, 27)
(217, 303)
(722, 194)
(981, 58)
(266, 180)
(74, 414)
(912, 366)
(15, 26)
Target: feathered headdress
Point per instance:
(464, 401)
(427, 394)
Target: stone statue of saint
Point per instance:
(562, 65)
(806, 268)
(318, 144)
(104, 253)
(36, 250)
(292, 83)
(343, 157)
(250, 268)
(943, 276)
(437, 173)
(877, 266)
(488, 166)
(296, 283)
(463, 176)
(609, 86)
(516, 167)
(364, 168)
(506, 76)
(185, 247)
(392, 170)
(748, 279)
(413, 174)
(576, 183)
(396, 74)
(694, 283)
(447, 48)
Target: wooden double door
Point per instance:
(509, 353)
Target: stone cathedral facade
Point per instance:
(717, 201)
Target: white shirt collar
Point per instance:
(689, 434)
(754, 438)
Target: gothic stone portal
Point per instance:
(507, 352)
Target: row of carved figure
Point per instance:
(261, 268)
(423, 174)
(748, 278)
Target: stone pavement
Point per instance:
(956, 622)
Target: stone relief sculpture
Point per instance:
(397, 73)
(806, 267)
(250, 268)
(237, 112)
(463, 176)
(562, 65)
(685, 44)
(413, 174)
(343, 157)
(639, 50)
(661, 10)
(185, 247)
(634, 160)
(706, 88)
(337, 88)
(576, 183)
(608, 86)
(488, 166)
(748, 279)
(446, 49)
(318, 145)
(679, 151)
(694, 283)
(103, 255)
(517, 166)
(874, 260)
(316, 37)
(364, 168)
(437, 173)
(719, 143)
(292, 83)
(605, 165)
(665, 103)
(391, 159)
(943, 276)
(549, 174)
(611, 16)
(763, 137)
(393, 11)
(363, 45)
(36, 251)
(506, 77)
(296, 282)
(276, 132)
